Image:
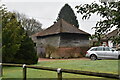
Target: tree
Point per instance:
(32, 26)
(108, 11)
(13, 39)
(68, 15)
(26, 54)
(10, 36)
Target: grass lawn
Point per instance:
(104, 66)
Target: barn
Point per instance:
(63, 40)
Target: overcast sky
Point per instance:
(46, 11)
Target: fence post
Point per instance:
(1, 70)
(24, 72)
(59, 74)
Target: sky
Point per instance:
(46, 11)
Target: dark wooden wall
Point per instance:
(53, 40)
(74, 40)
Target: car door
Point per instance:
(110, 53)
(113, 53)
(107, 52)
(100, 52)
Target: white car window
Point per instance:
(94, 49)
(106, 49)
(99, 49)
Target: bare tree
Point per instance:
(31, 26)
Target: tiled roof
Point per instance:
(113, 33)
(60, 26)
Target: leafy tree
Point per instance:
(26, 54)
(68, 15)
(10, 36)
(32, 26)
(108, 11)
(13, 39)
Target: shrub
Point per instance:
(26, 54)
(50, 50)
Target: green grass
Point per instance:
(103, 66)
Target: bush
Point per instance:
(27, 53)
(50, 50)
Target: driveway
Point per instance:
(45, 59)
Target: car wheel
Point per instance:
(93, 57)
(119, 57)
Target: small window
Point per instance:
(94, 49)
(106, 49)
(100, 49)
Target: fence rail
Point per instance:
(60, 71)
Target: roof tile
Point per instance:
(61, 26)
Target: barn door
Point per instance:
(41, 52)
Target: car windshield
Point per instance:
(111, 49)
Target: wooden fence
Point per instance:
(59, 71)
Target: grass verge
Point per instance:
(103, 66)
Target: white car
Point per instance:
(102, 52)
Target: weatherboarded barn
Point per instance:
(64, 40)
